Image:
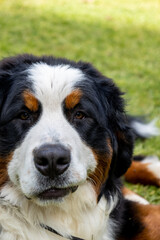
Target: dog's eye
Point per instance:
(79, 115)
(24, 116)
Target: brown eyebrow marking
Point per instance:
(73, 98)
(30, 101)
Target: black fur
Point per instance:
(130, 223)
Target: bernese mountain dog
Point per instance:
(65, 141)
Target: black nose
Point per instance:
(51, 159)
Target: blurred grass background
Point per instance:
(121, 38)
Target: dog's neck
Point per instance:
(78, 215)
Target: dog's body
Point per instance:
(64, 143)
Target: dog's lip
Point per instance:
(55, 193)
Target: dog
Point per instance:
(65, 141)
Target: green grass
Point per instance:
(121, 38)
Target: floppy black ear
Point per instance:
(6, 68)
(122, 136)
(4, 85)
(124, 151)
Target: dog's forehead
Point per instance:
(52, 84)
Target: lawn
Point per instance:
(121, 38)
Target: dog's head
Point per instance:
(61, 124)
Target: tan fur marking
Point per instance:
(73, 98)
(3, 168)
(139, 173)
(99, 176)
(30, 101)
(150, 217)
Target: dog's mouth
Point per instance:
(55, 193)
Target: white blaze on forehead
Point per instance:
(52, 84)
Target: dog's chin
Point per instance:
(56, 193)
(53, 195)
